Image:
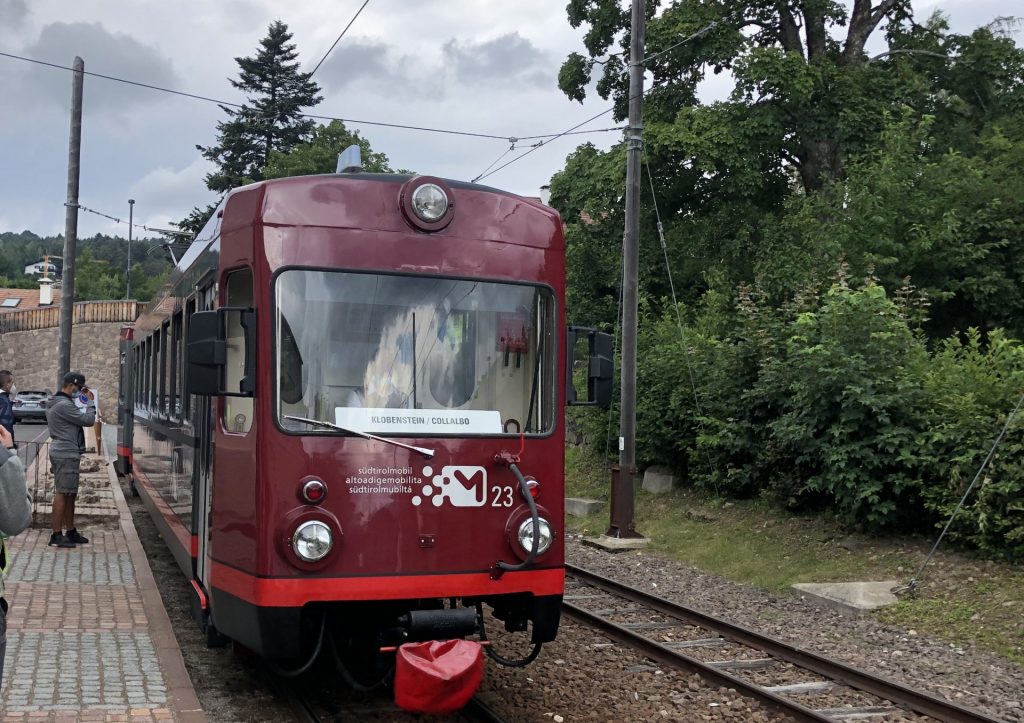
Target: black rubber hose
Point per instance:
(508, 567)
(309, 663)
(497, 657)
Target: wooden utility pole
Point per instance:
(67, 294)
(625, 472)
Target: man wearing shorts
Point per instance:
(65, 421)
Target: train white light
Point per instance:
(312, 541)
(525, 535)
(430, 202)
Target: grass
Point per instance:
(961, 600)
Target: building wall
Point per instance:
(32, 357)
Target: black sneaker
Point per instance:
(76, 537)
(59, 540)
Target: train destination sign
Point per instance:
(419, 421)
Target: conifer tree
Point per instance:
(272, 121)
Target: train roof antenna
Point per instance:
(349, 160)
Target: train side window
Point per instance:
(154, 363)
(174, 371)
(165, 339)
(147, 346)
(237, 293)
(190, 309)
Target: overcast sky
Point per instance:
(483, 66)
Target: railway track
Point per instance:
(309, 707)
(769, 670)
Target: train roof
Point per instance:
(282, 201)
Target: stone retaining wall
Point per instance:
(32, 357)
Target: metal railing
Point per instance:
(85, 312)
(35, 457)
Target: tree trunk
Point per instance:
(820, 163)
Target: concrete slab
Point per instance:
(581, 507)
(658, 480)
(854, 598)
(616, 544)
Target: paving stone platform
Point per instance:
(88, 638)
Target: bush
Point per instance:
(970, 389)
(849, 400)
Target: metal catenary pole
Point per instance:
(67, 294)
(625, 472)
(128, 272)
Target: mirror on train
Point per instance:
(600, 367)
(206, 352)
(221, 352)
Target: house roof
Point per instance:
(26, 299)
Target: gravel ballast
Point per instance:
(583, 676)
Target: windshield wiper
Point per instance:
(428, 453)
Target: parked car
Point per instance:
(30, 406)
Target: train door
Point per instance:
(203, 421)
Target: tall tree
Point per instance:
(798, 82)
(271, 121)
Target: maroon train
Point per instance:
(345, 413)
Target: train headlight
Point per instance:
(427, 203)
(430, 202)
(525, 535)
(312, 541)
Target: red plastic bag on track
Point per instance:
(437, 676)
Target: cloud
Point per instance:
(13, 13)
(506, 59)
(104, 52)
(377, 66)
(162, 193)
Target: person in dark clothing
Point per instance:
(6, 403)
(15, 516)
(65, 422)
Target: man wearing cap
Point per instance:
(66, 421)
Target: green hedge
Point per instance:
(835, 402)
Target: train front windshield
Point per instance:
(404, 355)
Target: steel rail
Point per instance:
(656, 651)
(898, 693)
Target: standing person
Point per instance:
(15, 516)
(6, 403)
(66, 422)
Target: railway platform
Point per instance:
(88, 638)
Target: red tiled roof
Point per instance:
(29, 299)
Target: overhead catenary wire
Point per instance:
(511, 148)
(164, 231)
(353, 121)
(339, 38)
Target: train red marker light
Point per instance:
(314, 491)
(533, 486)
